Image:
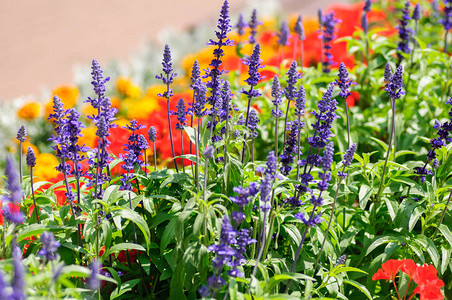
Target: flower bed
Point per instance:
(299, 159)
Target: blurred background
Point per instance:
(42, 41)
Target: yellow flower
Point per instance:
(153, 90)
(88, 110)
(142, 108)
(121, 122)
(89, 137)
(68, 94)
(45, 167)
(29, 111)
(127, 88)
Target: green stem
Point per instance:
(33, 195)
(348, 123)
(155, 157)
(442, 215)
(182, 149)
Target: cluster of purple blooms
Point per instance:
(443, 132)
(290, 149)
(104, 122)
(233, 242)
(15, 193)
(49, 246)
(136, 144)
(344, 81)
(394, 83)
(17, 288)
(283, 34)
(366, 10)
(277, 100)
(447, 20)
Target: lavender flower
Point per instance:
(241, 25)
(133, 145)
(348, 158)
(22, 134)
(223, 28)
(142, 143)
(252, 123)
(364, 23)
(290, 150)
(416, 12)
(283, 34)
(254, 64)
(388, 73)
(49, 246)
(300, 103)
(344, 81)
(326, 162)
(15, 193)
(244, 194)
(31, 158)
(405, 32)
(395, 84)
(277, 101)
(93, 281)
(253, 26)
(341, 260)
(367, 6)
(299, 29)
(181, 112)
(152, 134)
(210, 150)
(18, 283)
(292, 78)
(104, 121)
(447, 21)
(328, 24)
(3, 286)
(168, 75)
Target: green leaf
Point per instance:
(35, 229)
(123, 246)
(364, 194)
(138, 220)
(418, 211)
(384, 240)
(392, 208)
(75, 271)
(168, 235)
(445, 259)
(359, 286)
(446, 233)
(342, 269)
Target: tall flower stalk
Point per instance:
(405, 32)
(181, 113)
(394, 88)
(291, 90)
(167, 78)
(21, 137)
(328, 34)
(300, 103)
(446, 21)
(299, 29)
(348, 158)
(316, 201)
(276, 112)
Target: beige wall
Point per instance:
(41, 40)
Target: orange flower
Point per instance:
(29, 111)
(68, 94)
(127, 88)
(388, 270)
(45, 167)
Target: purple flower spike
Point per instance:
(367, 6)
(49, 246)
(168, 75)
(328, 34)
(12, 181)
(290, 150)
(254, 64)
(31, 158)
(22, 134)
(283, 34)
(292, 78)
(244, 194)
(142, 143)
(348, 158)
(277, 100)
(252, 123)
(152, 134)
(181, 113)
(447, 21)
(18, 283)
(93, 281)
(299, 29)
(253, 26)
(416, 12)
(300, 102)
(344, 82)
(241, 25)
(210, 150)
(405, 32)
(394, 86)
(388, 73)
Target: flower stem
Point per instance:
(170, 131)
(20, 162)
(155, 157)
(348, 123)
(33, 195)
(285, 120)
(442, 215)
(182, 149)
(329, 223)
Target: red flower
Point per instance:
(388, 270)
(409, 267)
(429, 285)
